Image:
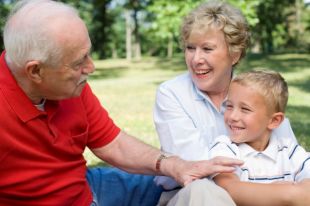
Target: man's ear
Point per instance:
(276, 119)
(33, 70)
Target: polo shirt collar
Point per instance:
(14, 95)
(271, 151)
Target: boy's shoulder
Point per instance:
(222, 139)
(283, 142)
(223, 146)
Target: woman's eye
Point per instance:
(207, 49)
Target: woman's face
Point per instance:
(209, 61)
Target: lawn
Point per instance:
(127, 91)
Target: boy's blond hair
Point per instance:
(271, 85)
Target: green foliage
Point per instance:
(276, 20)
(276, 25)
(166, 19)
(304, 37)
(5, 6)
(248, 9)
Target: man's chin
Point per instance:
(78, 90)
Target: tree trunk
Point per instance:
(128, 36)
(137, 44)
(114, 52)
(298, 21)
(137, 51)
(170, 47)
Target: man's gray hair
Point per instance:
(27, 35)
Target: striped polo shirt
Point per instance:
(282, 160)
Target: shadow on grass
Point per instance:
(173, 64)
(276, 62)
(303, 84)
(299, 118)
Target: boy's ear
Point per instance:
(276, 119)
(33, 71)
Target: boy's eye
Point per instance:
(229, 106)
(245, 109)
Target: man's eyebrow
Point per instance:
(81, 58)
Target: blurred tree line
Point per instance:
(132, 28)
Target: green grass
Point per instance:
(127, 91)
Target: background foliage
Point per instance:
(152, 26)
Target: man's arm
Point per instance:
(130, 154)
(258, 194)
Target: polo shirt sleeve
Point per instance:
(223, 146)
(102, 129)
(301, 162)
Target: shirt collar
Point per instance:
(14, 95)
(271, 151)
(200, 96)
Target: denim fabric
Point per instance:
(114, 187)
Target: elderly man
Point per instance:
(49, 115)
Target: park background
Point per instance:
(136, 47)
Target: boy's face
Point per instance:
(247, 117)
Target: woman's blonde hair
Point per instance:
(222, 16)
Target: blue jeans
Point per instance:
(114, 187)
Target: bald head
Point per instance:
(36, 29)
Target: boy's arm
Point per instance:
(258, 194)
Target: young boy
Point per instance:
(255, 106)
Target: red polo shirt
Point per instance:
(41, 153)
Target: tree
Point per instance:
(168, 15)
(167, 18)
(134, 9)
(272, 28)
(5, 6)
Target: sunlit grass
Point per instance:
(127, 91)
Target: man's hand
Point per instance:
(184, 172)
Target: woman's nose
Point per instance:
(198, 56)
